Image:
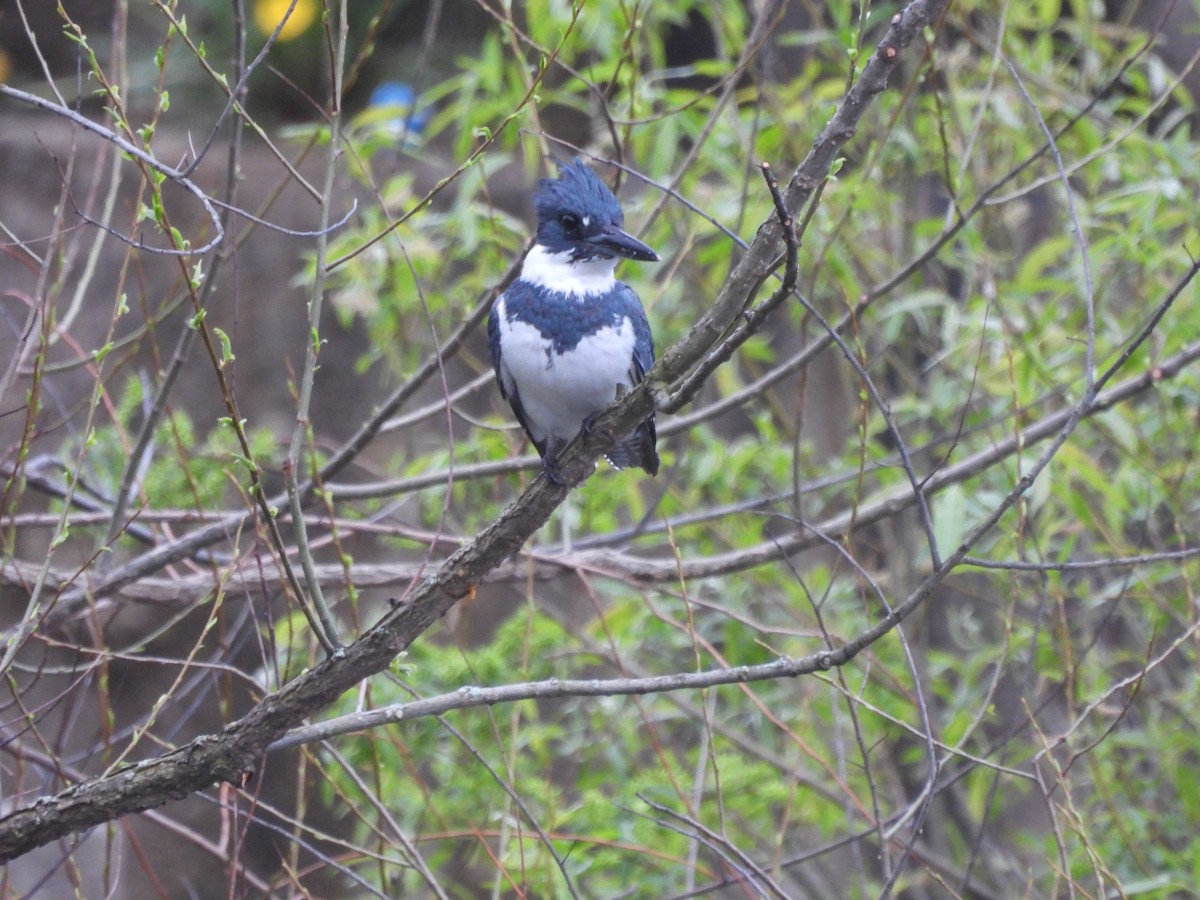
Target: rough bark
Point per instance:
(233, 754)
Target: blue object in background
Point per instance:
(392, 108)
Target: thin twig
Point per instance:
(237, 749)
(752, 319)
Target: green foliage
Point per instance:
(962, 367)
(185, 470)
(1058, 701)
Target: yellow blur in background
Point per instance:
(269, 13)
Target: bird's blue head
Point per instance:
(577, 213)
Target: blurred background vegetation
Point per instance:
(1031, 731)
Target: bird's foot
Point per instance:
(550, 460)
(553, 472)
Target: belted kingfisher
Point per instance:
(567, 338)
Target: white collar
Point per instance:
(559, 273)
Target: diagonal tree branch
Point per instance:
(652, 570)
(233, 754)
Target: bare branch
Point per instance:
(236, 750)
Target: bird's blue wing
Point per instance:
(639, 448)
(493, 329)
(508, 387)
(643, 339)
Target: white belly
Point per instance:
(558, 391)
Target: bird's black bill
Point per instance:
(615, 242)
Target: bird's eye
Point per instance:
(569, 221)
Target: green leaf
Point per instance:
(949, 512)
(226, 346)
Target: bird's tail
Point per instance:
(637, 450)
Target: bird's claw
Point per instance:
(553, 473)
